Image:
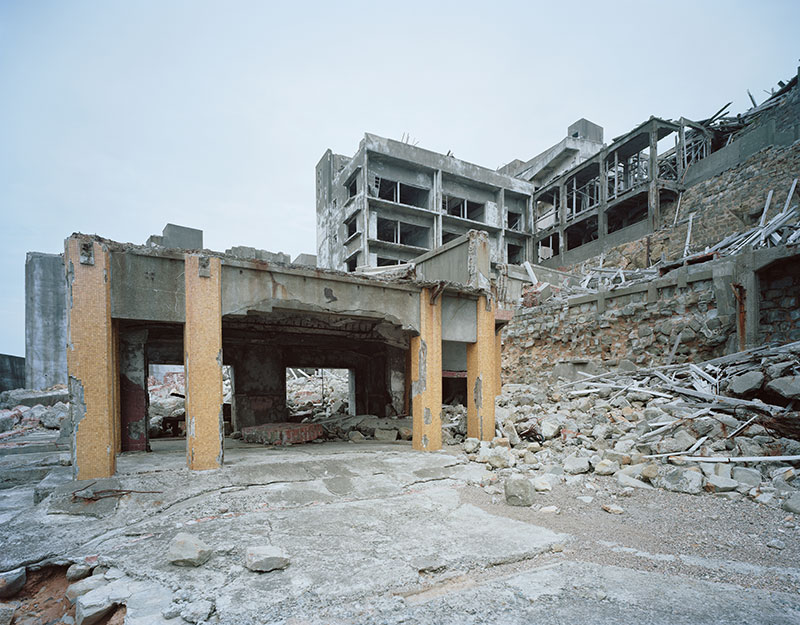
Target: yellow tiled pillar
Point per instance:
(202, 347)
(498, 362)
(482, 374)
(90, 359)
(426, 376)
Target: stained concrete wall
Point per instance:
(12, 372)
(45, 320)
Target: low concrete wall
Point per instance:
(12, 372)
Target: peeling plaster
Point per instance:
(428, 416)
(418, 386)
(477, 396)
(77, 413)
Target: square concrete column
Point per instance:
(482, 374)
(498, 364)
(202, 345)
(90, 359)
(133, 397)
(426, 376)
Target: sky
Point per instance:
(119, 117)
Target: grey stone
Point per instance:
(776, 543)
(11, 582)
(52, 417)
(355, 436)
(792, 504)
(83, 586)
(197, 611)
(680, 480)
(93, 606)
(500, 458)
(6, 613)
(78, 571)
(743, 475)
(173, 610)
(188, 550)
(471, 445)
(6, 424)
(746, 383)
(718, 484)
(627, 480)
(519, 491)
(787, 386)
(544, 483)
(510, 433)
(606, 467)
(612, 508)
(551, 426)
(574, 465)
(385, 435)
(265, 558)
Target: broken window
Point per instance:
(581, 233)
(352, 226)
(399, 192)
(516, 254)
(387, 262)
(352, 188)
(549, 247)
(546, 207)
(352, 263)
(626, 213)
(515, 221)
(388, 230)
(448, 236)
(466, 209)
(393, 231)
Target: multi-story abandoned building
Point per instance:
(393, 201)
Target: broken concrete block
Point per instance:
(405, 433)
(519, 491)
(574, 465)
(787, 386)
(680, 480)
(197, 611)
(510, 433)
(188, 550)
(606, 467)
(792, 504)
(627, 480)
(11, 582)
(746, 383)
(6, 613)
(717, 484)
(83, 586)
(743, 475)
(551, 426)
(265, 558)
(78, 571)
(471, 445)
(385, 435)
(612, 508)
(544, 483)
(500, 458)
(93, 606)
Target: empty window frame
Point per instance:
(627, 213)
(399, 192)
(352, 263)
(351, 226)
(394, 231)
(466, 209)
(546, 207)
(387, 262)
(515, 221)
(549, 247)
(516, 254)
(581, 233)
(448, 236)
(352, 187)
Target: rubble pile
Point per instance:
(324, 392)
(726, 426)
(22, 410)
(167, 406)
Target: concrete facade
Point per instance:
(392, 202)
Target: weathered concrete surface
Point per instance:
(45, 320)
(12, 372)
(382, 534)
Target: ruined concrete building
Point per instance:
(134, 306)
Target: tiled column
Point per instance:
(482, 374)
(426, 376)
(202, 345)
(90, 359)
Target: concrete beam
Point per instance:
(203, 362)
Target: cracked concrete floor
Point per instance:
(382, 534)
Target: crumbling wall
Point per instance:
(640, 324)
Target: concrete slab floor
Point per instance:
(383, 534)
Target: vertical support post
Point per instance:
(498, 361)
(90, 359)
(482, 374)
(562, 217)
(653, 201)
(203, 362)
(436, 206)
(426, 375)
(134, 398)
(117, 418)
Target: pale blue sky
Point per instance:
(118, 117)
